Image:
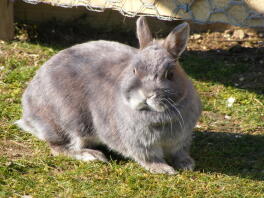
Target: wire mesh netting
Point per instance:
(245, 13)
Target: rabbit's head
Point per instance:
(154, 80)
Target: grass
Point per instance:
(228, 142)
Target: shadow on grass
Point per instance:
(229, 153)
(220, 152)
(63, 35)
(241, 69)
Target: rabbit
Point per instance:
(138, 102)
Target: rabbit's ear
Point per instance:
(143, 32)
(177, 40)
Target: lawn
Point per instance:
(228, 143)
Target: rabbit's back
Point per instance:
(69, 84)
(95, 56)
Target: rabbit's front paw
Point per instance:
(160, 168)
(184, 163)
(90, 155)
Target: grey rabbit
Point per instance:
(137, 102)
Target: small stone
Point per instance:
(241, 78)
(227, 117)
(247, 44)
(261, 35)
(26, 196)
(251, 33)
(16, 155)
(8, 163)
(239, 34)
(226, 36)
(228, 33)
(196, 36)
(261, 61)
(230, 101)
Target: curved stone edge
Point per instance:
(234, 12)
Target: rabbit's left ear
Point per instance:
(143, 32)
(177, 40)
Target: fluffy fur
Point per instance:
(138, 102)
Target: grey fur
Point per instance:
(138, 102)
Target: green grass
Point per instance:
(228, 144)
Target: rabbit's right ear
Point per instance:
(177, 40)
(143, 32)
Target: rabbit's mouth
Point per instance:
(147, 107)
(155, 105)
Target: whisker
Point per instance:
(181, 122)
(162, 122)
(174, 105)
(176, 114)
(168, 91)
(170, 117)
(171, 130)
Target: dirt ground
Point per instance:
(234, 46)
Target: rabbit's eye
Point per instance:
(168, 75)
(135, 71)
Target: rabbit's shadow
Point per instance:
(229, 153)
(220, 152)
(112, 155)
